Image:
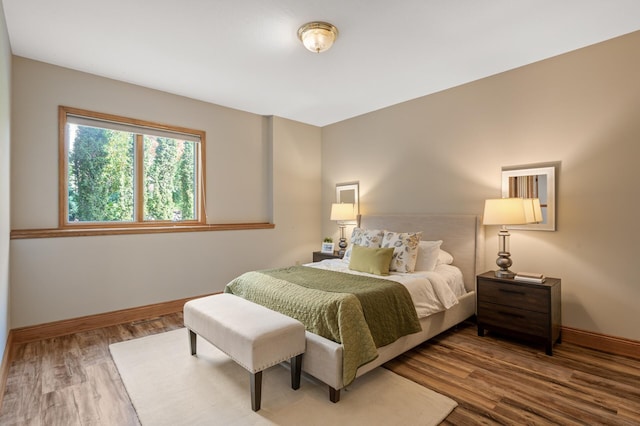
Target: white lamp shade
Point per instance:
(532, 210)
(504, 211)
(343, 211)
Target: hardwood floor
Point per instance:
(72, 380)
(498, 381)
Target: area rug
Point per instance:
(168, 386)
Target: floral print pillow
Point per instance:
(405, 251)
(365, 238)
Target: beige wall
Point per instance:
(5, 137)
(257, 168)
(444, 153)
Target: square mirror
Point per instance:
(533, 182)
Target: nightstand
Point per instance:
(318, 256)
(528, 310)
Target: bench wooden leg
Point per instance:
(256, 390)
(296, 370)
(334, 394)
(192, 342)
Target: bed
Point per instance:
(462, 238)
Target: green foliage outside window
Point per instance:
(101, 177)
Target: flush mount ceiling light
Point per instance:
(317, 36)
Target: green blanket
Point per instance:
(359, 312)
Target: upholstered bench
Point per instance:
(253, 336)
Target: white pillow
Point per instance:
(365, 238)
(445, 258)
(405, 251)
(428, 255)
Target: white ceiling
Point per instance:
(245, 54)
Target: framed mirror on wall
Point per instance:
(349, 192)
(533, 182)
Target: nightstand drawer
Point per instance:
(522, 297)
(508, 317)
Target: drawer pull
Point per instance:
(512, 291)
(510, 314)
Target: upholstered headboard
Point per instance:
(462, 236)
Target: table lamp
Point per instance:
(342, 212)
(503, 212)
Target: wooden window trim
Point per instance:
(21, 234)
(138, 225)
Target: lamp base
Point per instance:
(500, 273)
(343, 242)
(504, 262)
(343, 246)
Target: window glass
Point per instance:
(101, 175)
(169, 179)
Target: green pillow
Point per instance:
(371, 260)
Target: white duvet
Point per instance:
(431, 291)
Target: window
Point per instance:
(120, 172)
